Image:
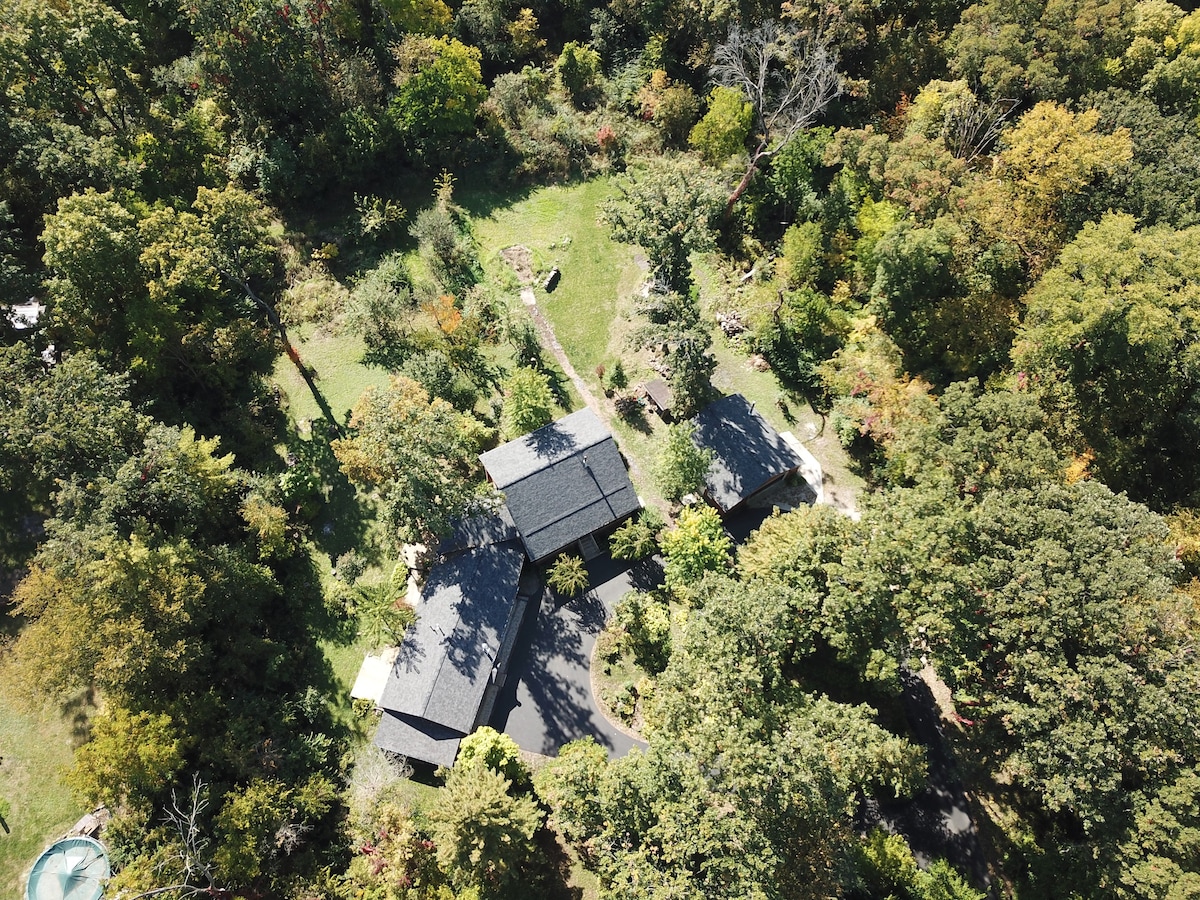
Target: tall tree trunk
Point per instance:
(760, 153)
(292, 354)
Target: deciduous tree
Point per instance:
(484, 834)
(418, 453)
(1047, 157)
(696, 545)
(439, 88)
(682, 465)
(1111, 337)
(789, 75)
(129, 760)
(528, 402)
(668, 208)
(725, 127)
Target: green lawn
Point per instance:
(559, 224)
(35, 750)
(340, 375)
(592, 311)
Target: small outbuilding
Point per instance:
(657, 393)
(748, 454)
(26, 316)
(452, 662)
(563, 484)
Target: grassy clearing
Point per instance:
(36, 750)
(592, 312)
(340, 375)
(559, 224)
(780, 407)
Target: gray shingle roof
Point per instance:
(480, 530)
(748, 451)
(417, 739)
(446, 659)
(562, 482)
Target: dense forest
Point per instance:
(965, 236)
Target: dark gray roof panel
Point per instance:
(748, 451)
(551, 443)
(562, 482)
(481, 530)
(417, 739)
(570, 499)
(446, 659)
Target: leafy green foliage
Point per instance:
(647, 625)
(129, 759)
(692, 367)
(380, 308)
(180, 586)
(72, 103)
(802, 333)
(568, 576)
(800, 256)
(264, 819)
(578, 72)
(637, 538)
(888, 868)
(484, 834)
(497, 751)
(696, 545)
(528, 402)
(569, 784)
(75, 419)
(1110, 339)
(723, 131)
(1048, 607)
(675, 113)
(729, 728)
(668, 208)
(439, 88)
(419, 453)
(1049, 155)
(682, 465)
(160, 295)
(1156, 186)
(1027, 52)
(128, 612)
(794, 549)
(444, 238)
(383, 614)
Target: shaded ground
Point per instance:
(937, 822)
(547, 700)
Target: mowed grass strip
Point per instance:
(36, 751)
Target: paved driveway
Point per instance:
(547, 699)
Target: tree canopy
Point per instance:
(419, 453)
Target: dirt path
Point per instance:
(550, 342)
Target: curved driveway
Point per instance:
(547, 698)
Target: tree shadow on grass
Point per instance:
(552, 874)
(480, 192)
(77, 713)
(342, 517)
(635, 417)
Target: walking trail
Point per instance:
(550, 342)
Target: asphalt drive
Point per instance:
(547, 698)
